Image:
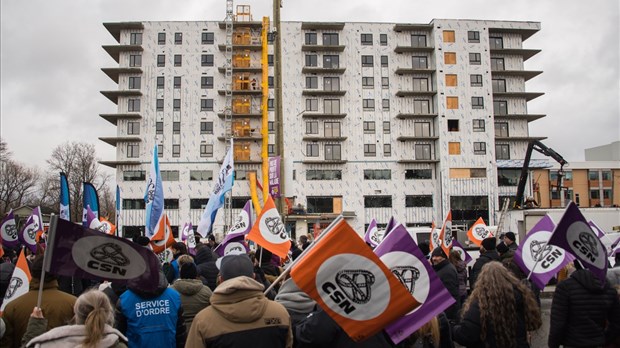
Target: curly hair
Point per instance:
(495, 294)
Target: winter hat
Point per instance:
(501, 248)
(439, 252)
(233, 266)
(489, 243)
(188, 271)
(425, 248)
(142, 240)
(511, 236)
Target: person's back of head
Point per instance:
(93, 310)
(180, 248)
(188, 271)
(232, 266)
(184, 259)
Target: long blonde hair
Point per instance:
(494, 292)
(93, 310)
(429, 331)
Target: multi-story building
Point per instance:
(379, 119)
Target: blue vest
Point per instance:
(151, 322)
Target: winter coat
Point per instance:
(208, 270)
(484, 258)
(613, 276)
(449, 278)
(57, 307)
(319, 330)
(194, 298)
(584, 313)
(467, 332)
(461, 271)
(69, 336)
(241, 316)
(445, 337)
(297, 303)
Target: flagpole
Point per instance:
(294, 262)
(538, 259)
(46, 255)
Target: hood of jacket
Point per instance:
(73, 336)
(203, 255)
(588, 280)
(188, 287)
(460, 266)
(239, 300)
(293, 298)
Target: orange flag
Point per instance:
(269, 232)
(445, 236)
(107, 226)
(351, 283)
(163, 238)
(478, 232)
(20, 281)
(434, 240)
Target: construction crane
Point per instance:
(540, 147)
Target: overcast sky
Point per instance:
(51, 60)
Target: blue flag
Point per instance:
(65, 212)
(154, 197)
(119, 208)
(90, 199)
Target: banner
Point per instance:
(28, 234)
(402, 256)
(8, 230)
(106, 226)
(372, 236)
(19, 283)
(119, 210)
(65, 212)
(459, 248)
(599, 231)
(76, 251)
(445, 236)
(235, 238)
(537, 257)
(274, 176)
(163, 238)
(573, 234)
(187, 236)
(478, 232)
(90, 199)
(225, 181)
(390, 225)
(434, 240)
(351, 283)
(154, 198)
(269, 231)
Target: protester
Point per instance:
(613, 274)
(487, 254)
(510, 241)
(172, 272)
(295, 251)
(584, 311)
(57, 306)
(94, 318)
(505, 253)
(434, 334)
(239, 314)
(303, 242)
(499, 312)
(151, 317)
(194, 294)
(297, 303)
(461, 271)
(211, 241)
(205, 265)
(447, 273)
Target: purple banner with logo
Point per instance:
(8, 228)
(28, 235)
(235, 239)
(464, 254)
(402, 256)
(576, 237)
(390, 226)
(372, 236)
(599, 231)
(537, 257)
(274, 176)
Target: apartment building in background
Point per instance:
(379, 119)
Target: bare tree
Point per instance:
(17, 184)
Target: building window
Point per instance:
(423, 151)
(178, 60)
(449, 58)
(134, 204)
(420, 84)
(200, 175)
(366, 39)
(133, 128)
(383, 40)
(499, 85)
(206, 104)
(411, 174)
(312, 150)
(377, 174)
(477, 103)
(160, 150)
(607, 193)
(271, 127)
(176, 150)
(310, 39)
(508, 177)
(605, 175)
(161, 60)
(453, 125)
(135, 38)
(385, 82)
(387, 150)
(206, 60)
(332, 129)
(497, 64)
(370, 150)
(312, 82)
(478, 125)
(480, 148)
(377, 201)
(133, 105)
(208, 38)
(134, 175)
(312, 105)
(177, 82)
(384, 61)
(593, 175)
(500, 107)
(419, 62)
(448, 36)
(312, 60)
(419, 201)
(369, 127)
(326, 174)
(206, 82)
(454, 148)
(161, 38)
(160, 82)
(135, 60)
(331, 83)
(330, 39)
(331, 106)
(595, 194)
(270, 59)
(312, 127)
(159, 128)
(385, 104)
(176, 104)
(271, 149)
(502, 151)
(368, 104)
(320, 204)
(270, 104)
(159, 105)
(451, 80)
(418, 40)
(241, 174)
(169, 175)
(133, 150)
(496, 43)
(270, 82)
(473, 36)
(178, 38)
(176, 127)
(198, 203)
(386, 127)
(206, 150)
(501, 129)
(206, 127)
(368, 82)
(367, 61)
(331, 61)
(475, 59)
(422, 129)
(421, 107)
(332, 152)
(475, 80)
(134, 82)
(452, 102)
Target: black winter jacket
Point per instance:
(450, 279)
(484, 258)
(584, 313)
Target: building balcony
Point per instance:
(115, 50)
(527, 95)
(253, 136)
(324, 138)
(518, 138)
(318, 70)
(414, 161)
(416, 138)
(524, 32)
(251, 114)
(321, 92)
(322, 25)
(528, 117)
(256, 92)
(124, 139)
(406, 116)
(525, 53)
(113, 118)
(250, 160)
(412, 27)
(322, 48)
(322, 115)
(113, 73)
(323, 161)
(411, 49)
(415, 93)
(113, 95)
(248, 47)
(116, 28)
(248, 69)
(526, 74)
(319, 216)
(412, 71)
(243, 24)
(126, 162)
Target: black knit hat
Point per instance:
(233, 266)
(511, 236)
(489, 243)
(439, 252)
(188, 271)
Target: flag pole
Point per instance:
(529, 275)
(46, 255)
(294, 262)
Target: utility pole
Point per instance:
(279, 117)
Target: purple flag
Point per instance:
(576, 237)
(274, 176)
(615, 247)
(84, 253)
(390, 226)
(537, 257)
(402, 256)
(464, 254)
(372, 236)
(8, 230)
(235, 239)
(599, 232)
(92, 221)
(28, 234)
(189, 238)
